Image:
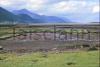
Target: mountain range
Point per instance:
(25, 16)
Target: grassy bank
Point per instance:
(66, 59)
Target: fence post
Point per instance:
(89, 33)
(14, 32)
(44, 34)
(82, 33)
(54, 32)
(71, 32)
(30, 37)
(77, 35)
(66, 36)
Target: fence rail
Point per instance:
(54, 32)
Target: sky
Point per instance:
(82, 11)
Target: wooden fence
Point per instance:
(57, 32)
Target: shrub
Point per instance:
(92, 48)
(70, 63)
(44, 55)
(2, 58)
(35, 60)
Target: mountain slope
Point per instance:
(52, 19)
(25, 16)
(7, 16)
(42, 18)
(27, 19)
(25, 11)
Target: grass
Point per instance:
(66, 59)
(9, 31)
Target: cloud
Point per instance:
(35, 4)
(61, 6)
(96, 9)
(5, 3)
(72, 6)
(51, 6)
(65, 7)
(20, 4)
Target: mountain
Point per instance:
(7, 16)
(42, 18)
(25, 11)
(27, 19)
(25, 16)
(52, 19)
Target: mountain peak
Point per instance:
(24, 11)
(26, 16)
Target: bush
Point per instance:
(44, 55)
(3, 58)
(34, 61)
(92, 48)
(70, 63)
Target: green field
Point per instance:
(65, 59)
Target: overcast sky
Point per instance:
(75, 10)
